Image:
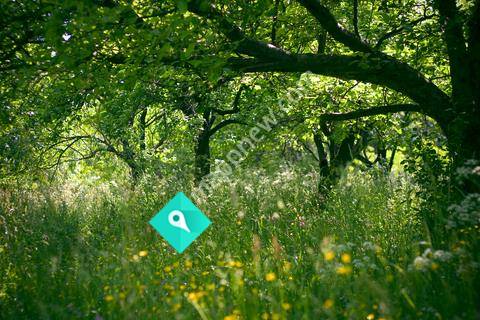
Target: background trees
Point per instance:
(73, 53)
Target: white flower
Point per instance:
(442, 255)
(421, 263)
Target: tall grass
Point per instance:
(276, 250)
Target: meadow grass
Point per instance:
(277, 249)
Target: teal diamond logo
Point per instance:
(180, 222)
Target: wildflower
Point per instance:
(287, 266)
(122, 295)
(280, 204)
(371, 316)
(346, 258)
(230, 317)
(286, 306)
(109, 298)
(236, 264)
(143, 253)
(176, 307)
(271, 276)
(327, 304)
(275, 316)
(442, 255)
(135, 257)
(329, 255)
(167, 269)
(265, 316)
(434, 266)
(301, 221)
(344, 270)
(195, 296)
(420, 263)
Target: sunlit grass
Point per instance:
(276, 250)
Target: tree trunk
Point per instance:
(463, 135)
(202, 153)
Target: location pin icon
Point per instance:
(177, 219)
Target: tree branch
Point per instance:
(244, 45)
(329, 23)
(355, 18)
(223, 124)
(374, 68)
(369, 112)
(235, 104)
(399, 30)
(273, 35)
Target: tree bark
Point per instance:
(202, 148)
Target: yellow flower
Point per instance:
(109, 298)
(275, 316)
(265, 316)
(176, 307)
(434, 266)
(143, 253)
(371, 316)
(167, 269)
(270, 276)
(195, 296)
(327, 304)
(188, 264)
(286, 306)
(329, 255)
(122, 295)
(230, 317)
(344, 270)
(346, 258)
(135, 257)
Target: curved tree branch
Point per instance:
(376, 69)
(369, 112)
(329, 23)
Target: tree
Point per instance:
(201, 101)
(457, 112)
